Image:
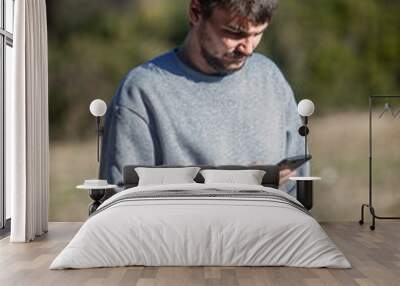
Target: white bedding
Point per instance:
(182, 231)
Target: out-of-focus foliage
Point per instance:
(335, 52)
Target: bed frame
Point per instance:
(270, 179)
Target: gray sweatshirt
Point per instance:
(165, 112)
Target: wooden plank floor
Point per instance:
(375, 257)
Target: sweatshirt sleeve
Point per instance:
(128, 138)
(294, 141)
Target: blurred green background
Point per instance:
(335, 52)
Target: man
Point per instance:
(211, 101)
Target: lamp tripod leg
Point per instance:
(372, 210)
(361, 221)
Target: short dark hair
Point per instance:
(257, 11)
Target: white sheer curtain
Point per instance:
(27, 131)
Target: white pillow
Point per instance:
(162, 176)
(248, 177)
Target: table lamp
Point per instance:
(98, 108)
(97, 188)
(305, 108)
(304, 185)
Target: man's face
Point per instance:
(227, 41)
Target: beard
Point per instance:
(221, 65)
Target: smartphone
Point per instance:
(294, 162)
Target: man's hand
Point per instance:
(285, 174)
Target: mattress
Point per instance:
(201, 225)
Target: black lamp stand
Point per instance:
(304, 131)
(304, 188)
(99, 131)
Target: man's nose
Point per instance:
(246, 47)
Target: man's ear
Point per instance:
(195, 13)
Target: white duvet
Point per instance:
(200, 231)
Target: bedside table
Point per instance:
(96, 193)
(304, 191)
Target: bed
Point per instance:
(201, 224)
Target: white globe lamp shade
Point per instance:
(98, 107)
(306, 107)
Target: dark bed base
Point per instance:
(270, 179)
